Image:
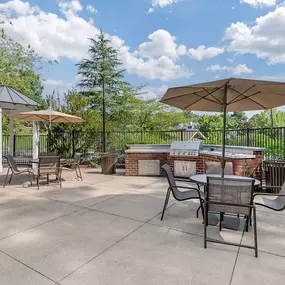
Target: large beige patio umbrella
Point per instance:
(227, 95)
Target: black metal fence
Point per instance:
(66, 144)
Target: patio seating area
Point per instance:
(107, 230)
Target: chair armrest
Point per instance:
(182, 180)
(268, 194)
(189, 188)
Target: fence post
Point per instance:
(247, 137)
(14, 145)
(181, 135)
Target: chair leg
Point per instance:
(202, 208)
(10, 178)
(165, 204)
(6, 178)
(38, 182)
(197, 212)
(31, 178)
(205, 225)
(221, 220)
(255, 232)
(246, 224)
(59, 177)
(80, 174)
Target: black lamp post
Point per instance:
(104, 119)
(102, 89)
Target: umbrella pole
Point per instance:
(224, 130)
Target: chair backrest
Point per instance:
(274, 172)
(232, 191)
(170, 177)
(12, 163)
(213, 167)
(49, 164)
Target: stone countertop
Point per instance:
(232, 152)
(227, 155)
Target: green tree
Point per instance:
(19, 68)
(101, 69)
(240, 120)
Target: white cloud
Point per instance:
(161, 43)
(214, 67)
(237, 70)
(202, 52)
(150, 11)
(72, 6)
(91, 9)
(54, 82)
(241, 68)
(164, 3)
(19, 7)
(265, 39)
(55, 36)
(259, 3)
(153, 92)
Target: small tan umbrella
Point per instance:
(227, 95)
(48, 115)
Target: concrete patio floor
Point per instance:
(107, 230)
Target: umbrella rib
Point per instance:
(186, 94)
(204, 97)
(248, 97)
(242, 94)
(211, 94)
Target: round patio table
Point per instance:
(202, 178)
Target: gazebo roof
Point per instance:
(13, 100)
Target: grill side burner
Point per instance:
(185, 148)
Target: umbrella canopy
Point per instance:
(234, 93)
(48, 115)
(227, 95)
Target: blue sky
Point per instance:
(162, 43)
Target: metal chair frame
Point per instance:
(15, 171)
(279, 195)
(51, 165)
(74, 166)
(173, 188)
(250, 206)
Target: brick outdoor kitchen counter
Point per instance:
(246, 160)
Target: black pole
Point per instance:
(224, 129)
(104, 118)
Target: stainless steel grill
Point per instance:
(185, 148)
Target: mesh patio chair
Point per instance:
(230, 196)
(48, 165)
(213, 167)
(15, 171)
(191, 193)
(277, 204)
(74, 165)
